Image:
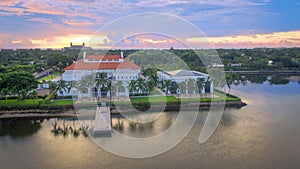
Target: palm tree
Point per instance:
(200, 83)
(151, 85)
(90, 79)
(167, 85)
(108, 88)
(119, 86)
(141, 85)
(132, 86)
(100, 81)
(173, 87)
(33, 95)
(182, 87)
(230, 79)
(5, 92)
(52, 87)
(72, 85)
(82, 86)
(191, 86)
(208, 85)
(61, 87)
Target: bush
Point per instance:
(35, 107)
(49, 98)
(64, 97)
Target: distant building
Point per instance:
(77, 47)
(116, 67)
(184, 76)
(270, 62)
(235, 64)
(41, 74)
(216, 65)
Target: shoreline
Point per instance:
(291, 72)
(36, 113)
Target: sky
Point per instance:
(223, 23)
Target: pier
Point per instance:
(102, 125)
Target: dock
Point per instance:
(102, 125)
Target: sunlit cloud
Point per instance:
(77, 23)
(8, 2)
(127, 41)
(16, 41)
(55, 23)
(276, 39)
(63, 41)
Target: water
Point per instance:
(264, 134)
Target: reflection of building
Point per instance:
(116, 67)
(180, 76)
(76, 47)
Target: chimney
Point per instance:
(84, 55)
(122, 55)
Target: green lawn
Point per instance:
(154, 99)
(52, 76)
(219, 97)
(17, 102)
(146, 99)
(61, 102)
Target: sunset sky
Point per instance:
(225, 23)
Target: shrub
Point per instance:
(49, 98)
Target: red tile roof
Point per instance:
(103, 57)
(80, 65)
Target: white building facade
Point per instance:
(117, 68)
(180, 75)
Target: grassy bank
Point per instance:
(220, 96)
(141, 103)
(33, 102)
(29, 104)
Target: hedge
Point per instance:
(35, 106)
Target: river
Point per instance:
(264, 134)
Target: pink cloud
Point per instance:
(276, 39)
(16, 41)
(127, 41)
(8, 2)
(77, 23)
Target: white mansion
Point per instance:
(116, 67)
(185, 75)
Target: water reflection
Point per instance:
(260, 135)
(130, 127)
(17, 128)
(228, 118)
(70, 127)
(276, 79)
